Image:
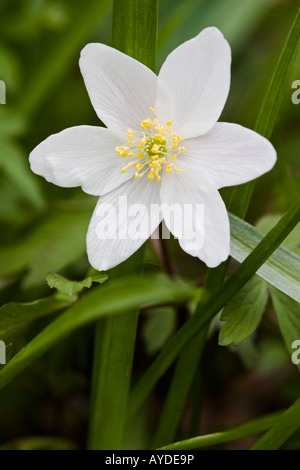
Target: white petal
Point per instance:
(200, 220)
(81, 156)
(197, 75)
(121, 89)
(229, 154)
(122, 222)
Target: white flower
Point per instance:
(162, 144)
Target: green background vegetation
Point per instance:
(43, 229)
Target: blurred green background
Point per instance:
(43, 227)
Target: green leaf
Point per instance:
(71, 288)
(284, 427)
(134, 33)
(282, 269)
(174, 405)
(279, 83)
(14, 315)
(269, 111)
(205, 313)
(243, 313)
(264, 225)
(115, 298)
(288, 314)
(230, 435)
(240, 196)
(158, 327)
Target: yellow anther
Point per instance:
(151, 149)
(155, 148)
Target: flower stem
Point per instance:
(135, 34)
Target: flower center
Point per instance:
(152, 149)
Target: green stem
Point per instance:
(239, 203)
(113, 357)
(238, 432)
(134, 33)
(287, 424)
(204, 314)
(269, 111)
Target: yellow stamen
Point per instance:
(151, 149)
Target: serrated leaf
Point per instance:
(71, 288)
(99, 278)
(288, 314)
(281, 270)
(117, 297)
(243, 313)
